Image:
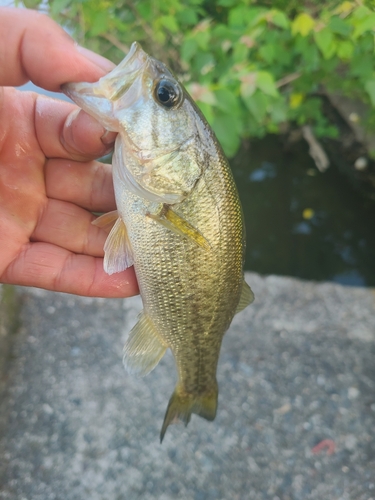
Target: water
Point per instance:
(301, 222)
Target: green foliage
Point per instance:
(252, 66)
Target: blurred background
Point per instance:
(289, 89)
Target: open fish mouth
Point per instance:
(121, 82)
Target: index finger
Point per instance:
(33, 47)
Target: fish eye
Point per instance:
(168, 94)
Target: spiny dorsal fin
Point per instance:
(247, 297)
(118, 254)
(144, 348)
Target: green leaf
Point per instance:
(326, 42)
(365, 43)
(145, 11)
(302, 24)
(32, 4)
(339, 26)
(240, 53)
(188, 49)
(279, 19)
(257, 105)
(59, 5)
(248, 85)
(266, 83)
(187, 17)
(223, 32)
(235, 50)
(268, 52)
(345, 8)
(361, 66)
(361, 12)
(226, 3)
(201, 93)
(170, 23)
(255, 16)
(309, 52)
(226, 128)
(370, 89)
(207, 111)
(100, 24)
(204, 62)
(227, 101)
(365, 24)
(202, 38)
(238, 16)
(345, 49)
(279, 111)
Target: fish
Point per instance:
(179, 222)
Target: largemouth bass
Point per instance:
(178, 221)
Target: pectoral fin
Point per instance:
(144, 348)
(106, 219)
(177, 224)
(118, 254)
(247, 297)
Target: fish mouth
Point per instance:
(99, 98)
(116, 83)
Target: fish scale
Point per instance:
(180, 224)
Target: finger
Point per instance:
(64, 131)
(61, 131)
(35, 48)
(46, 266)
(69, 226)
(88, 185)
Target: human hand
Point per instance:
(49, 181)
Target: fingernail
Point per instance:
(82, 135)
(108, 138)
(98, 60)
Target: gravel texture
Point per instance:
(9, 313)
(296, 418)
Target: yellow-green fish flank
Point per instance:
(178, 220)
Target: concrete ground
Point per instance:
(296, 418)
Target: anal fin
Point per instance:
(144, 348)
(247, 297)
(118, 254)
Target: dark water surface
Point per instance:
(301, 222)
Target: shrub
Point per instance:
(252, 66)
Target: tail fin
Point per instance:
(182, 405)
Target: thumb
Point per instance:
(33, 47)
